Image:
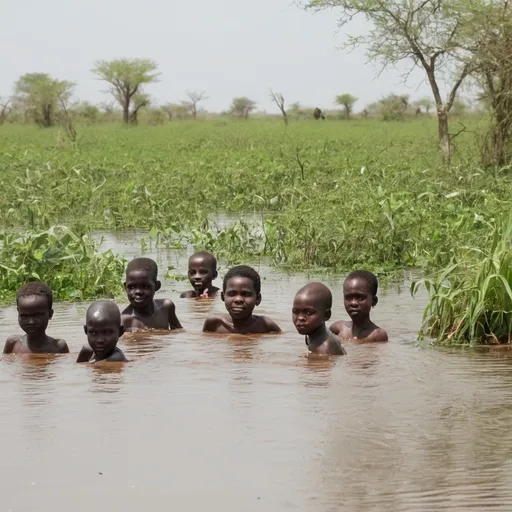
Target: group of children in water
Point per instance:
(241, 293)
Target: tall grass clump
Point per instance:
(71, 265)
(471, 302)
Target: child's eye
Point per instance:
(203, 272)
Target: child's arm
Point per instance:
(10, 343)
(174, 323)
(85, 354)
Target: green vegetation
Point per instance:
(69, 264)
(314, 195)
(471, 300)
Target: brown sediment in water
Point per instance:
(254, 423)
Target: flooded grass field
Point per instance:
(198, 421)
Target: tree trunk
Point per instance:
(126, 111)
(444, 135)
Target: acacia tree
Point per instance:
(424, 32)
(127, 78)
(490, 41)
(195, 97)
(347, 101)
(242, 107)
(139, 101)
(43, 96)
(278, 99)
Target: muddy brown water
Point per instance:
(202, 422)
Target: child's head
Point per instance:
(103, 327)
(202, 270)
(360, 294)
(34, 302)
(141, 282)
(241, 291)
(311, 308)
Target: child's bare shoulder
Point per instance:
(340, 326)
(269, 324)
(378, 334)
(11, 342)
(214, 322)
(188, 295)
(334, 346)
(117, 356)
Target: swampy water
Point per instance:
(202, 422)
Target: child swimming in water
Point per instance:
(241, 293)
(34, 301)
(202, 270)
(103, 329)
(311, 309)
(144, 311)
(360, 295)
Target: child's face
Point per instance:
(103, 332)
(140, 288)
(307, 314)
(201, 273)
(34, 314)
(358, 298)
(240, 297)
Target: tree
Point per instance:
(195, 97)
(424, 32)
(177, 110)
(5, 109)
(490, 41)
(426, 103)
(42, 96)
(347, 102)
(278, 99)
(242, 107)
(127, 78)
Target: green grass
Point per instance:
(327, 195)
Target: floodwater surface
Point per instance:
(202, 422)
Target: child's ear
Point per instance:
(258, 299)
(158, 285)
(222, 296)
(50, 316)
(375, 300)
(124, 284)
(327, 314)
(215, 274)
(121, 330)
(85, 329)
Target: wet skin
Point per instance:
(201, 273)
(33, 317)
(240, 299)
(144, 311)
(309, 319)
(358, 300)
(103, 329)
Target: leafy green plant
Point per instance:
(71, 265)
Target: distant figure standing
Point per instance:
(317, 114)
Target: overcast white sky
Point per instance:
(227, 47)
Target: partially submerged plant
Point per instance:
(471, 301)
(71, 265)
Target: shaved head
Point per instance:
(103, 310)
(320, 294)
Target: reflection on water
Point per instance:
(255, 423)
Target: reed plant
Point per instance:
(471, 299)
